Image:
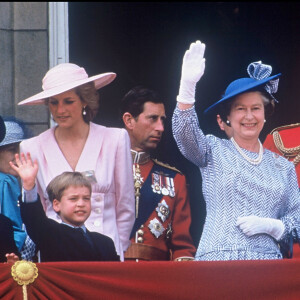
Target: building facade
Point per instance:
(33, 38)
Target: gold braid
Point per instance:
(286, 152)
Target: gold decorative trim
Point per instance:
(165, 165)
(139, 157)
(286, 152)
(285, 127)
(138, 180)
(24, 272)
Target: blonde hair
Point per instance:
(60, 183)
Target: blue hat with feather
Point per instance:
(259, 76)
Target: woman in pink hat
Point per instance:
(77, 144)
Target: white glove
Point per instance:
(251, 225)
(193, 66)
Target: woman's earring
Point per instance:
(83, 111)
(265, 121)
(227, 122)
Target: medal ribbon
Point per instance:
(148, 199)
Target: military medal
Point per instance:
(163, 210)
(156, 183)
(164, 189)
(171, 187)
(156, 228)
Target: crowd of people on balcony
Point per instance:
(81, 191)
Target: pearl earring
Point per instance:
(84, 111)
(265, 121)
(227, 122)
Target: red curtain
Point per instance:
(159, 280)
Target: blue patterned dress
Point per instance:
(232, 187)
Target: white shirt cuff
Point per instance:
(29, 196)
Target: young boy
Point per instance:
(70, 194)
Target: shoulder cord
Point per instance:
(287, 152)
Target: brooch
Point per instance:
(90, 175)
(163, 210)
(156, 228)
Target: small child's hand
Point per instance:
(26, 169)
(11, 258)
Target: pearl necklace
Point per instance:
(255, 161)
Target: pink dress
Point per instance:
(106, 155)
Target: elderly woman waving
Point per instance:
(251, 194)
(77, 144)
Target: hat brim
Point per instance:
(243, 89)
(100, 80)
(7, 142)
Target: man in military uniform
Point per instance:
(285, 141)
(163, 217)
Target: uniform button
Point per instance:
(140, 232)
(97, 210)
(97, 223)
(140, 239)
(98, 198)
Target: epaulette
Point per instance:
(285, 127)
(165, 165)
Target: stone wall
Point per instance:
(23, 60)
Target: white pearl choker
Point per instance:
(255, 161)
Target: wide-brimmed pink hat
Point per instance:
(64, 77)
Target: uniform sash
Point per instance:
(148, 199)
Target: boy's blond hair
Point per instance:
(60, 183)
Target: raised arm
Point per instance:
(187, 133)
(193, 66)
(26, 169)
